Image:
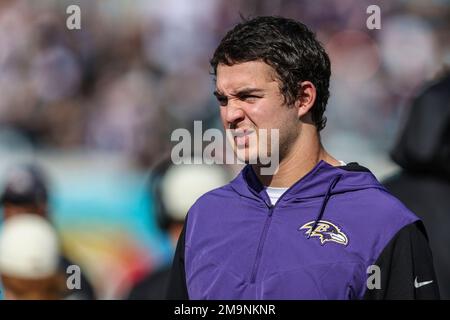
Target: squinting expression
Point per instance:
(250, 100)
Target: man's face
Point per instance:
(250, 99)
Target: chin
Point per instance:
(247, 155)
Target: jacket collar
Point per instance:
(316, 183)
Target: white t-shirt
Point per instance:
(275, 193)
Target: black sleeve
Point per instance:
(406, 267)
(177, 289)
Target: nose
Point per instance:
(233, 114)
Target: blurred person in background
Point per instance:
(174, 189)
(26, 192)
(423, 184)
(29, 259)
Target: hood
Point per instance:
(323, 180)
(424, 143)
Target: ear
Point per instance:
(307, 98)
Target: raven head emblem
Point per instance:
(325, 231)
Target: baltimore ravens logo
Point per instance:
(325, 231)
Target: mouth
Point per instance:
(241, 137)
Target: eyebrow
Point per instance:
(240, 92)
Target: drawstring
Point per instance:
(324, 203)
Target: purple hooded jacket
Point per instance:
(317, 242)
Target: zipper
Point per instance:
(262, 240)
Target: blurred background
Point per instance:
(95, 107)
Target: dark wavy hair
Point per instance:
(290, 48)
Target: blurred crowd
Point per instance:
(137, 70)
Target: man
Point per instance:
(25, 191)
(29, 259)
(314, 229)
(423, 183)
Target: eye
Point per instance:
(249, 98)
(223, 100)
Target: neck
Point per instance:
(302, 157)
